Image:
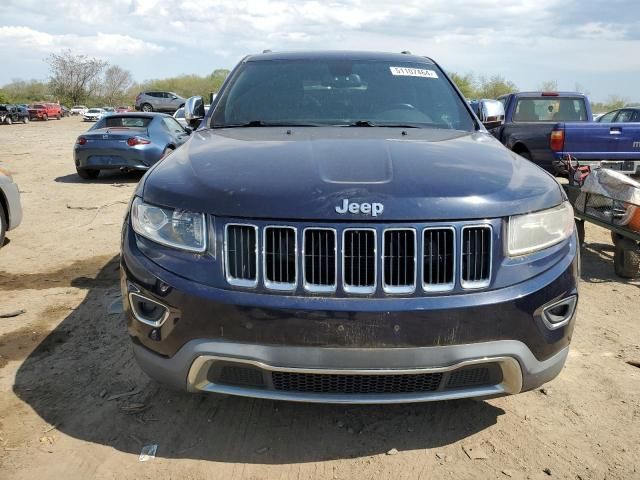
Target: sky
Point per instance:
(590, 44)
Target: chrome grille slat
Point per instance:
(475, 255)
(438, 259)
(355, 261)
(399, 260)
(280, 257)
(437, 247)
(320, 260)
(241, 258)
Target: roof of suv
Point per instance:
(338, 55)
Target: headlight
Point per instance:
(535, 231)
(174, 228)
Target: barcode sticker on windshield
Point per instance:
(413, 72)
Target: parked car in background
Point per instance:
(392, 251)
(10, 208)
(78, 110)
(65, 111)
(627, 114)
(612, 145)
(530, 117)
(159, 101)
(93, 114)
(45, 111)
(123, 109)
(109, 109)
(13, 114)
(127, 141)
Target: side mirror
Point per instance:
(188, 130)
(193, 110)
(489, 112)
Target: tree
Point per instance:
(3, 97)
(466, 83)
(494, 86)
(549, 86)
(115, 83)
(73, 77)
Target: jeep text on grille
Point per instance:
(340, 227)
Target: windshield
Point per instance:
(341, 92)
(550, 109)
(94, 110)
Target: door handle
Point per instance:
(615, 131)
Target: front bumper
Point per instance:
(344, 339)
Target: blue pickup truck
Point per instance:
(531, 116)
(611, 145)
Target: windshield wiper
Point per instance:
(369, 123)
(261, 123)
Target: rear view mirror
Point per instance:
(193, 110)
(489, 112)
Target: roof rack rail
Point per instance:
(266, 50)
(405, 52)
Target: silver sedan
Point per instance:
(10, 208)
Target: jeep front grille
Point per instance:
(399, 260)
(241, 258)
(347, 260)
(476, 256)
(438, 259)
(280, 258)
(359, 263)
(320, 259)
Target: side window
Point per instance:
(624, 116)
(173, 126)
(608, 117)
(636, 116)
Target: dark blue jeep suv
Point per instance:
(342, 228)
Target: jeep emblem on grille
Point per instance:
(373, 209)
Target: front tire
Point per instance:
(25, 120)
(45, 117)
(8, 121)
(626, 258)
(58, 117)
(88, 173)
(146, 107)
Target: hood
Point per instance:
(305, 173)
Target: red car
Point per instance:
(123, 109)
(44, 111)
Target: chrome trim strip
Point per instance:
(353, 288)
(281, 286)
(440, 287)
(478, 284)
(511, 382)
(140, 318)
(310, 287)
(239, 282)
(405, 288)
(571, 301)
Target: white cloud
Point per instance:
(528, 41)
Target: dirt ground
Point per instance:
(64, 360)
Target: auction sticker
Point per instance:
(413, 72)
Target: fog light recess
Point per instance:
(148, 311)
(559, 313)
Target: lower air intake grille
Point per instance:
(469, 377)
(355, 384)
(399, 255)
(280, 257)
(476, 256)
(359, 260)
(242, 255)
(320, 259)
(438, 259)
(241, 376)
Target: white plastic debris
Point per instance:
(148, 452)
